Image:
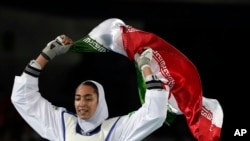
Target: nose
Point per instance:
(82, 102)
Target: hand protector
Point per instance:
(144, 59)
(54, 48)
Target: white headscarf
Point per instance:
(101, 111)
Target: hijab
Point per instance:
(101, 113)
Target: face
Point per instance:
(86, 101)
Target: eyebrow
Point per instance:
(83, 95)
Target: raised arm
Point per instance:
(152, 114)
(54, 48)
(39, 113)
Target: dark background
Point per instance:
(213, 34)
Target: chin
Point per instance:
(84, 117)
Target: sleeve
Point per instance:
(149, 117)
(39, 113)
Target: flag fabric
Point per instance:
(173, 68)
(211, 120)
(204, 116)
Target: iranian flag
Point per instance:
(204, 116)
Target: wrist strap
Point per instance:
(45, 56)
(33, 69)
(152, 82)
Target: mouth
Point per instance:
(83, 111)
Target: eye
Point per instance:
(88, 98)
(77, 98)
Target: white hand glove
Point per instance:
(144, 59)
(54, 48)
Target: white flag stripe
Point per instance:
(214, 106)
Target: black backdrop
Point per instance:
(214, 36)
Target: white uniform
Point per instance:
(48, 120)
(72, 130)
